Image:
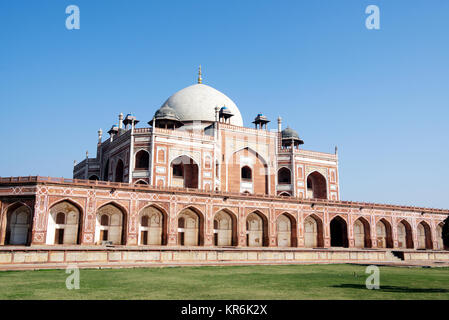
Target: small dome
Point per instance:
(165, 112)
(289, 133)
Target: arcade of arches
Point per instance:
(64, 227)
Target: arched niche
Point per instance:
(313, 232)
(190, 227)
(18, 225)
(225, 229)
(256, 230)
(110, 225)
(152, 226)
(316, 186)
(64, 225)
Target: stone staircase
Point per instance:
(394, 256)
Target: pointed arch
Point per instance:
(117, 222)
(256, 229)
(316, 186)
(313, 232)
(405, 236)
(339, 232)
(184, 172)
(362, 234)
(225, 228)
(247, 160)
(284, 176)
(70, 231)
(286, 230)
(153, 226)
(18, 224)
(190, 227)
(142, 160)
(424, 236)
(384, 234)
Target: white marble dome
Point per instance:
(198, 102)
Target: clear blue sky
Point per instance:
(381, 95)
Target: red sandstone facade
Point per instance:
(197, 177)
(38, 195)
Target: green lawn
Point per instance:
(229, 282)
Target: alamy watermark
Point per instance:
(73, 280)
(373, 280)
(373, 20)
(73, 20)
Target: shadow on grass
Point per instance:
(393, 289)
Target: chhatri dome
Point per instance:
(198, 102)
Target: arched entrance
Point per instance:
(316, 186)
(405, 239)
(286, 231)
(424, 236)
(142, 160)
(362, 237)
(152, 227)
(247, 172)
(313, 232)
(119, 171)
(184, 172)
(256, 230)
(339, 232)
(18, 225)
(384, 234)
(110, 225)
(225, 229)
(190, 228)
(64, 224)
(284, 176)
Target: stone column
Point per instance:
(272, 232)
(2, 222)
(89, 221)
(133, 217)
(241, 227)
(326, 230)
(373, 231)
(209, 226)
(299, 230)
(39, 228)
(172, 236)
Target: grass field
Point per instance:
(229, 282)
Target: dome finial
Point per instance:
(200, 80)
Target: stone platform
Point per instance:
(46, 257)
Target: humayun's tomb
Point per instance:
(196, 186)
